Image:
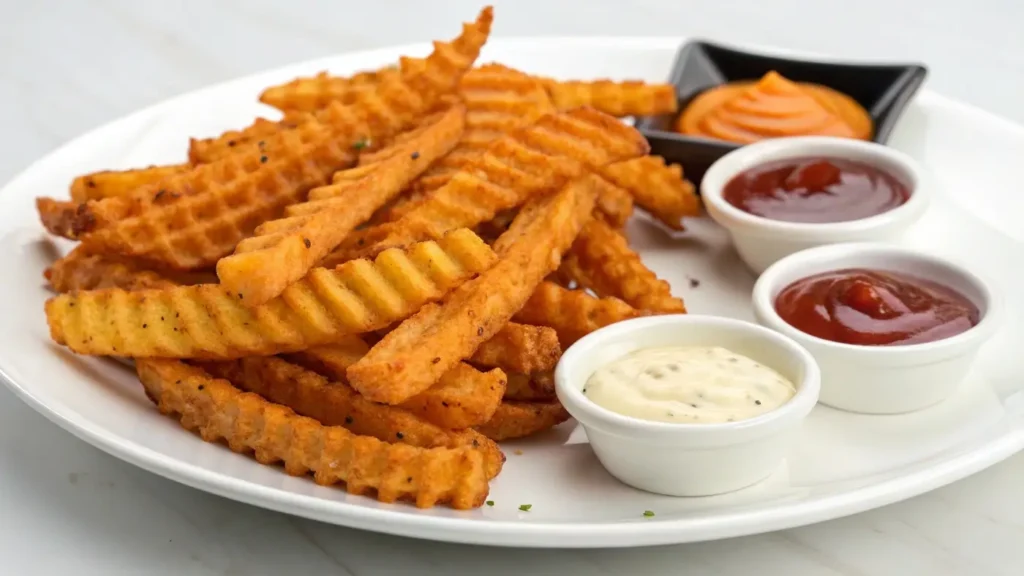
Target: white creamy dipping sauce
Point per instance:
(688, 385)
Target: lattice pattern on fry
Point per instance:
(216, 410)
(113, 183)
(618, 98)
(309, 94)
(282, 251)
(415, 354)
(208, 321)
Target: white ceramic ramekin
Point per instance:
(761, 241)
(882, 379)
(688, 459)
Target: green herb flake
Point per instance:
(525, 507)
(490, 502)
(360, 144)
(648, 514)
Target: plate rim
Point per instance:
(503, 532)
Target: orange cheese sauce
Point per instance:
(773, 107)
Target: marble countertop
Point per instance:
(70, 66)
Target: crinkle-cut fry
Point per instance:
(520, 348)
(335, 403)
(617, 98)
(572, 313)
(463, 397)
(415, 354)
(210, 322)
(206, 150)
(112, 183)
(282, 251)
(498, 100)
(181, 229)
(520, 419)
(657, 187)
(81, 270)
(614, 205)
(530, 387)
(309, 94)
(536, 158)
(216, 410)
(611, 268)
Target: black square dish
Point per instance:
(882, 90)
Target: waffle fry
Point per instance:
(611, 268)
(572, 313)
(414, 355)
(518, 419)
(614, 205)
(539, 387)
(283, 250)
(628, 98)
(657, 187)
(316, 92)
(520, 348)
(113, 183)
(542, 156)
(210, 322)
(335, 403)
(216, 410)
(206, 150)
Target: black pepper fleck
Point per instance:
(201, 386)
(263, 159)
(399, 435)
(307, 242)
(758, 402)
(476, 443)
(145, 325)
(348, 419)
(159, 195)
(231, 143)
(694, 283)
(480, 331)
(415, 155)
(408, 479)
(444, 403)
(435, 360)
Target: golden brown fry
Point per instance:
(416, 353)
(216, 410)
(80, 270)
(611, 268)
(191, 231)
(537, 158)
(210, 322)
(283, 250)
(618, 98)
(498, 101)
(519, 419)
(462, 398)
(572, 313)
(520, 348)
(530, 387)
(657, 187)
(112, 183)
(335, 403)
(312, 93)
(206, 150)
(614, 205)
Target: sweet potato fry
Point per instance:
(530, 387)
(462, 398)
(519, 419)
(335, 403)
(537, 158)
(216, 410)
(312, 93)
(657, 187)
(112, 183)
(416, 353)
(611, 268)
(572, 313)
(628, 98)
(520, 348)
(283, 250)
(210, 322)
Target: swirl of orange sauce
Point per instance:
(773, 107)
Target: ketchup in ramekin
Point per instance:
(875, 308)
(815, 190)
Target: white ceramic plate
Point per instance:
(843, 464)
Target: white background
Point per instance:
(68, 66)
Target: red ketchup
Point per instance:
(815, 190)
(875, 308)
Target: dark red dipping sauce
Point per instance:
(875, 308)
(815, 190)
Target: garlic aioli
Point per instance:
(688, 385)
